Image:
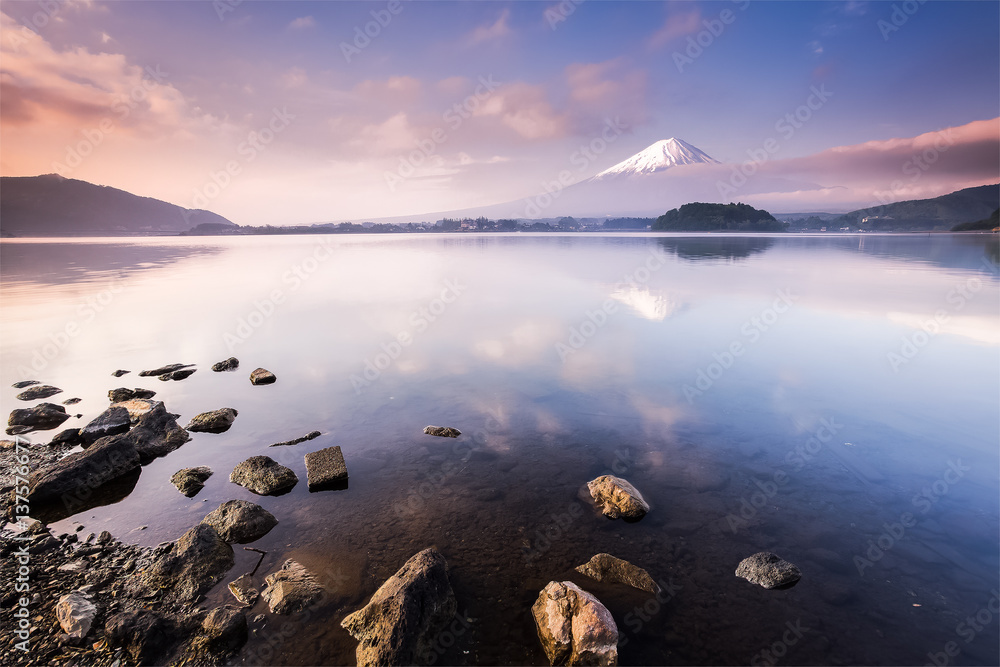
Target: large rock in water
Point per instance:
(574, 627)
(325, 469)
(240, 521)
(263, 475)
(78, 475)
(156, 433)
(768, 570)
(195, 563)
(75, 614)
(37, 392)
(190, 481)
(617, 498)
(136, 407)
(400, 622)
(41, 417)
(216, 421)
(292, 588)
(605, 567)
(112, 421)
(262, 376)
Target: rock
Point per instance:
(156, 433)
(262, 376)
(68, 438)
(75, 614)
(442, 431)
(178, 375)
(72, 401)
(574, 627)
(240, 521)
(190, 481)
(225, 628)
(605, 567)
(144, 634)
(118, 373)
(38, 391)
(79, 474)
(405, 615)
(163, 370)
(263, 475)
(24, 383)
(136, 407)
(311, 435)
(197, 561)
(105, 537)
(325, 469)
(292, 588)
(112, 421)
(41, 417)
(230, 364)
(243, 589)
(617, 498)
(769, 571)
(122, 394)
(216, 421)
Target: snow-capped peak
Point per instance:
(661, 155)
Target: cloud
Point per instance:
(525, 109)
(679, 23)
(600, 90)
(302, 22)
(497, 30)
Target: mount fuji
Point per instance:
(657, 157)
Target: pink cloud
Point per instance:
(496, 30)
(680, 22)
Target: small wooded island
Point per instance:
(702, 217)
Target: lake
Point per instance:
(830, 398)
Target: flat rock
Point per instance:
(178, 374)
(38, 391)
(768, 570)
(263, 475)
(574, 627)
(605, 567)
(311, 435)
(194, 564)
(162, 370)
(262, 376)
(442, 431)
(216, 421)
(617, 498)
(230, 364)
(292, 588)
(325, 469)
(122, 394)
(240, 521)
(120, 372)
(79, 474)
(112, 421)
(75, 613)
(406, 614)
(41, 417)
(24, 383)
(136, 407)
(190, 481)
(243, 589)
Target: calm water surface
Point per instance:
(807, 395)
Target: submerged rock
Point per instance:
(442, 431)
(574, 627)
(230, 364)
(405, 615)
(78, 475)
(112, 421)
(190, 481)
(41, 417)
(325, 469)
(768, 570)
(263, 475)
(216, 421)
(262, 376)
(605, 567)
(162, 370)
(75, 613)
(617, 498)
(122, 394)
(244, 590)
(240, 521)
(38, 391)
(178, 374)
(292, 588)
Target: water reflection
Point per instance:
(721, 246)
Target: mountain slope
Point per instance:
(657, 157)
(52, 205)
(940, 213)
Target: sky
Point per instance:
(303, 112)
